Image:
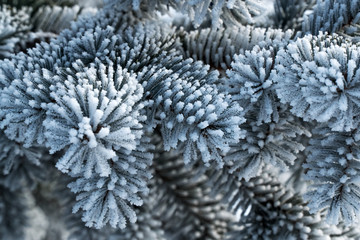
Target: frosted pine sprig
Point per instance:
(93, 43)
(333, 165)
(330, 16)
(236, 11)
(23, 106)
(275, 213)
(218, 47)
(13, 24)
(194, 113)
(111, 199)
(250, 82)
(320, 77)
(96, 110)
(272, 143)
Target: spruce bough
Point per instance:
(179, 119)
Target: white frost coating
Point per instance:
(339, 194)
(103, 132)
(195, 116)
(97, 121)
(199, 11)
(23, 106)
(103, 142)
(320, 84)
(250, 81)
(272, 143)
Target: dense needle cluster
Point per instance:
(164, 119)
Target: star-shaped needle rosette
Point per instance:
(96, 111)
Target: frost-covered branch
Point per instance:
(319, 77)
(333, 165)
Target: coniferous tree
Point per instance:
(206, 119)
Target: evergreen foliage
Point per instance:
(156, 120)
(319, 78)
(335, 175)
(233, 11)
(330, 16)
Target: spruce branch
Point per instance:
(333, 167)
(318, 77)
(331, 16)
